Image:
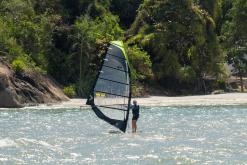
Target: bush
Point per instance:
(221, 84)
(140, 63)
(187, 74)
(23, 62)
(18, 65)
(70, 91)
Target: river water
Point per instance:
(167, 135)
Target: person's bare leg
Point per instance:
(133, 125)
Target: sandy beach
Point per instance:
(206, 100)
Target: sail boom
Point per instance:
(113, 108)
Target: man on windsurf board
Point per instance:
(135, 111)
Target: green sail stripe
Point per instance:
(120, 45)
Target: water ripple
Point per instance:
(167, 135)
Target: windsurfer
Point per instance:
(135, 111)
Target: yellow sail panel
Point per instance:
(99, 94)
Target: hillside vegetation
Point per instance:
(176, 46)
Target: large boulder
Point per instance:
(28, 88)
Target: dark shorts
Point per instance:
(135, 117)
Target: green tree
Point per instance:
(140, 64)
(31, 33)
(126, 10)
(89, 37)
(213, 7)
(180, 39)
(234, 35)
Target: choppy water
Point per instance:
(169, 135)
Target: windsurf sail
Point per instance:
(111, 95)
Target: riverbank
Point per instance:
(20, 88)
(205, 100)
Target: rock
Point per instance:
(28, 88)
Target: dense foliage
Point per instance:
(181, 40)
(234, 37)
(173, 44)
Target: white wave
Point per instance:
(160, 138)
(7, 142)
(151, 156)
(132, 157)
(3, 159)
(180, 149)
(133, 144)
(198, 139)
(72, 104)
(75, 155)
(4, 114)
(26, 141)
(87, 160)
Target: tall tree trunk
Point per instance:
(80, 74)
(241, 82)
(204, 86)
(201, 85)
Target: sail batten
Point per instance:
(111, 94)
(112, 81)
(115, 68)
(116, 56)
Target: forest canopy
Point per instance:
(175, 45)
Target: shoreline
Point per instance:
(228, 99)
(200, 100)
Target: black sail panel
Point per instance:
(110, 97)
